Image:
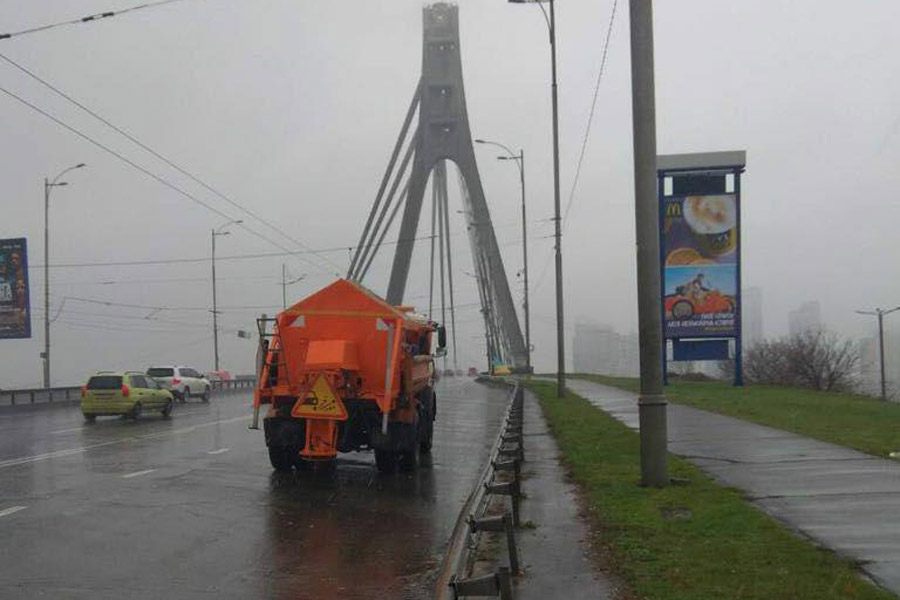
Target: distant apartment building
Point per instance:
(752, 315)
(807, 317)
(600, 349)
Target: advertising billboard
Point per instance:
(700, 271)
(15, 311)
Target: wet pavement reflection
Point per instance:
(190, 508)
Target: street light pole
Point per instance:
(880, 314)
(652, 406)
(560, 322)
(520, 162)
(48, 184)
(215, 307)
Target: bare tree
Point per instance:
(815, 359)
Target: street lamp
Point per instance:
(880, 312)
(560, 328)
(520, 163)
(48, 185)
(215, 312)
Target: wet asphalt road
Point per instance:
(190, 508)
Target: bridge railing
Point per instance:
(28, 396)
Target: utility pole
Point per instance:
(285, 283)
(880, 314)
(215, 307)
(48, 184)
(651, 402)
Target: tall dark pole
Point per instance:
(560, 327)
(652, 401)
(881, 353)
(283, 288)
(215, 307)
(46, 283)
(48, 184)
(525, 305)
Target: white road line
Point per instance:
(58, 431)
(137, 474)
(12, 462)
(219, 451)
(11, 510)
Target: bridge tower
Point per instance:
(443, 134)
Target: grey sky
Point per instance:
(291, 108)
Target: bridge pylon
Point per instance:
(443, 134)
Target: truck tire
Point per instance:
(385, 461)
(280, 458)
(426, 421)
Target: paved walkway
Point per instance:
(843, 499)
(554, 554)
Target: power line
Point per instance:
(86, 19)
(587, 129)
(150, 174)
(155, 153)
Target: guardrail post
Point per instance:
(511, 489)
(499, 523)
(495, 584)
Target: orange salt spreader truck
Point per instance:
(342, 370)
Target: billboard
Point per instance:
(15, 308)
(700, 271)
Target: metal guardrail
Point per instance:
(29, 396)
(506, 456)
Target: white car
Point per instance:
(183, 382)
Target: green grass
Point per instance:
(718, 545)
(859, 422)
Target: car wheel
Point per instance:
(682, 310)
(167, 410)
(90, 418)
(205, 396)
(136, 412)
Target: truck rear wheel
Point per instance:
(280, 458)
(426, 421)
(385, 461)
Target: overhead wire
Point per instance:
(156, 153)
(151, 174)
(87, 19)
(585, 138)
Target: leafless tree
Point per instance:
(815, 359)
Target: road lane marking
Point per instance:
(11, 510)
(138, 473)
(219, 451)
(58, 431)
(12, 462)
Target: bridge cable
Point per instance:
(367, 248)
(443, 167)
(384, 180)
(401, 200)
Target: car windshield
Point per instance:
(105, 382)
(160, 372)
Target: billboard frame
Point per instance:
(702, 174)
(20, 245)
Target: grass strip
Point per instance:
(698, 541)
(859, 422)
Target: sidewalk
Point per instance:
(554, 554)
(844, 500)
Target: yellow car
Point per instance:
(126, 393)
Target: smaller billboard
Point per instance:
(15, 307)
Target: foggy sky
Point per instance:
(291, 108)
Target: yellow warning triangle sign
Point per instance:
(321, 402)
